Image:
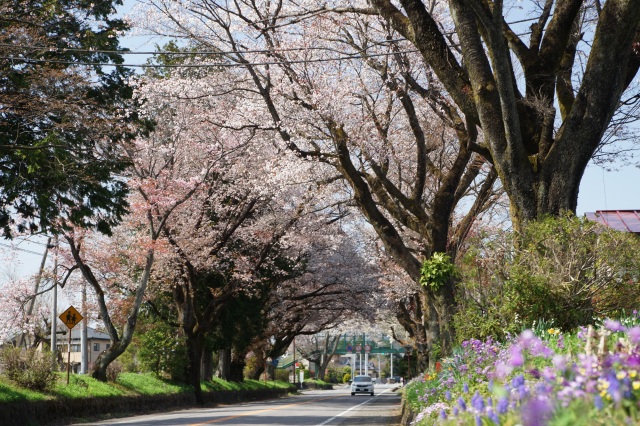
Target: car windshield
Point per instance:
(362, 379)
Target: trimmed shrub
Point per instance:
(29, 368)
(564, 270)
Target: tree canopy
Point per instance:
(61, 119)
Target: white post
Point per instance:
(353, 366)
(84, 357)
(366, 363)
(54, 323)
(391, 359)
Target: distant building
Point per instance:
(97, 342)
(621, 220)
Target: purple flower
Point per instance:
(613, 325)
(527, 337)
(549, 374)
(465, 388)
(559, 362)
(443, 414)
(477, 402)
(536, 412)
(447, 395)
(597, 402)
(517, 381)
(633, 361)
(462, 404)
(516, 359)
(455, 411)
(614, 388)
(503, 406)
(478, 421)
(493, 416)
(501, 370)
(634, 335)
(535, 373)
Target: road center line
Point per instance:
(250, 413)
(352, 408)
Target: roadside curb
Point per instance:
(65, 411)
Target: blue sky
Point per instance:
(609, 190)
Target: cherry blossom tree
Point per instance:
(169, 166)
(347, 93)
(15, 296)
(319, 350)
(338, 283)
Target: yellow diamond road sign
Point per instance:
(70, 317)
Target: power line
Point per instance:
(201, 65)
(20, 249)
(54, 49)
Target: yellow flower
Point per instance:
(636, 385)
(621, 375)
(633, 374)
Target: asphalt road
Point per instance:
(310, 407)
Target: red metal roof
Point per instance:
(621, 220)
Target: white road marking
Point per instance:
(352, 408)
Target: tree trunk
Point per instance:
(194, 344)
(439, 307)
(258, 367)
(237, 366)
(99, 370)
(256, 372)
(224, 364)
(207, 364)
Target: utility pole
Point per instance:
(54, 309)
(36, 287)
(84, 358)
(294, 360)
(391, 375)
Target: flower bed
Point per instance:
(544, 378)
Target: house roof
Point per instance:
(621, 220)
(92, 333)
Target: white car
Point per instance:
(362, 384)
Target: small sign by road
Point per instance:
(71, 317)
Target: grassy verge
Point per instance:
(128, 384)
(86, 399)
(319, 382)
(12, 393)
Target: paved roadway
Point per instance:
(309, 407)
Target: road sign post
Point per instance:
(70, 318)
